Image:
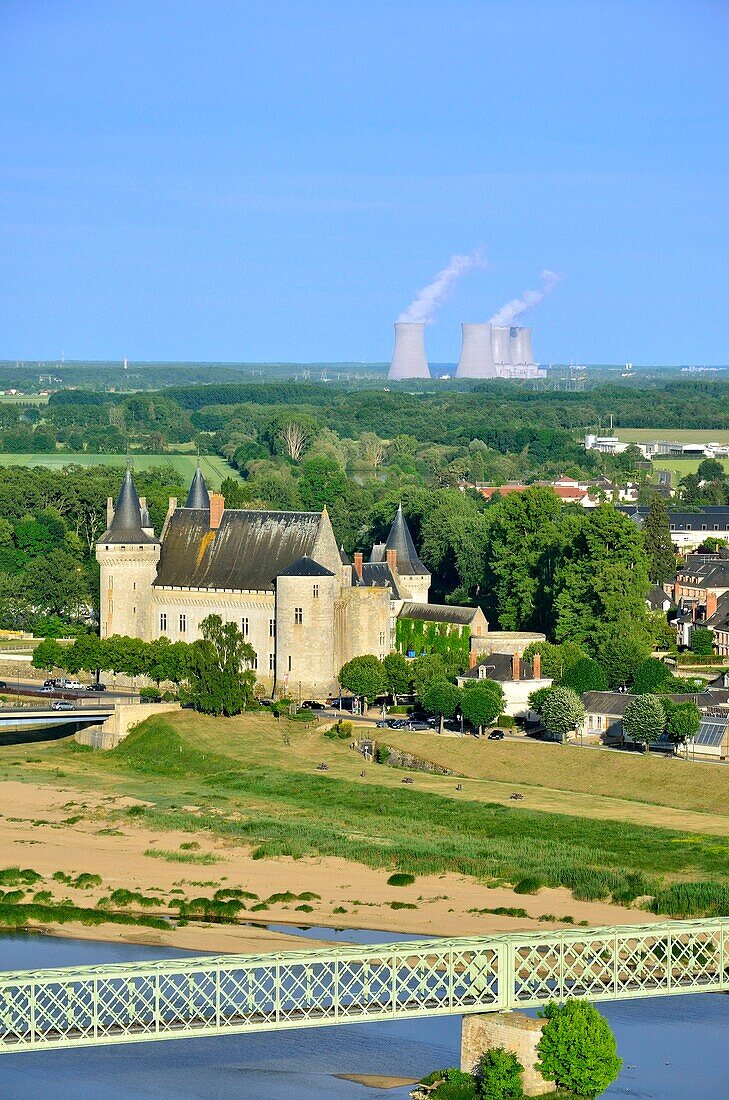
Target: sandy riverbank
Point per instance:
(55, 829)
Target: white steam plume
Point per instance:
(513, 309)
(427, 300)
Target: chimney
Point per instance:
(477, 359)
(537, 666)
(217, 506)
(109, 511)
(711, 602)
(391, 556)
(516, 667)
(408, 358)
(358, 563)
(472, 657)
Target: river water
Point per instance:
(674, 1048)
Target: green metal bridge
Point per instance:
(184, 998)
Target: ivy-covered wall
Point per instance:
(418, 637)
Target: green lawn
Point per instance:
(23, 399)
(673, 435)
(253, 781)
(215, 469)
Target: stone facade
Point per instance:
(512, 1031)
(279, 576)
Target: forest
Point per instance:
(530, 561)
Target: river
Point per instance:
(674, 1048)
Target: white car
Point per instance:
(74, 685)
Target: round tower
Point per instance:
(128, 556)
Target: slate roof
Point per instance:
(198, 496)
(247, 551)
(613, 703)
(379, 575)
(656, 598)
(126, 526)
(438, 613)
(400, 539)
(720, 619)
(499, 666)
(305, 567)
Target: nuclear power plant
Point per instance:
(487, 351)
(408, 358)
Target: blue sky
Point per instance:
(274, 181)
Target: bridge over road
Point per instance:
(182, 998)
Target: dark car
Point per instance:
(312, 704)
(61, 704)
(496, 735)
(49, 683)
(396, 723)
(382, 724)
(418, 726)
(96, 687)
(3, 685)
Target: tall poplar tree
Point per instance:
(657, 541)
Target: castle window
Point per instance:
(272, 628)
(382, 637)
(111, 582)
(298, 616)
(254, 661)
(315, 592)
(163, 621)
(244, 627)
(271, 662)
(183, 623)
(134, 585)
(289, 662)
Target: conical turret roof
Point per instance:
(400, 539)
(198, 496)
(126, 526)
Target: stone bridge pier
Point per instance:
(513, 1031)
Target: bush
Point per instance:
(401, 878)
(340, 731)
(507, 721)
(577, 1049)
(530, 884)
(499, 1074)
(452, 1084)
(149, 695)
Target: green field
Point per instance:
(215, 469)
(23, 399)
(680, 467)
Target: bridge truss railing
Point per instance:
(181, 998)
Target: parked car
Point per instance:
(3, 686)
(96, 687)
(382, 724)
(49, 683)
(396, 723)
(496, 735)
(312, 704)
(61, 704)
(418, 726)
(47, 689)
(74, 685)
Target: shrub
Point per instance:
(341, 731)
(401, 878)
(452, 1084)
(13, 876)
(499, 1073)
(149, 695)
(577, 1049)
(507, 721)
(530, 884)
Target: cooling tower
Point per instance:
(521, 347)
(501, 345)
(477, 360)
(408, 358)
